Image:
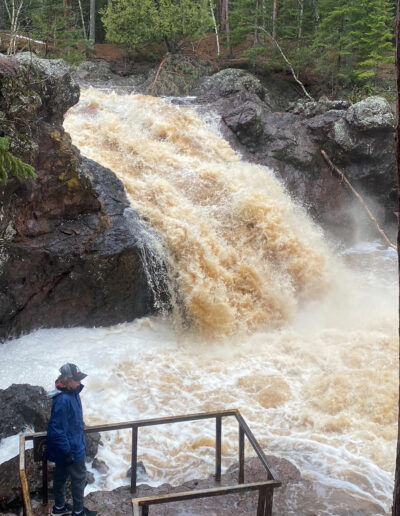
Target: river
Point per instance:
(268, 316)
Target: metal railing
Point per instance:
(141, 505)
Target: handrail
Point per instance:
(265, 488)
(256, 447)
(201, 493)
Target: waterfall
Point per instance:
(239, 251)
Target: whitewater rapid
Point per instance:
(301, 338)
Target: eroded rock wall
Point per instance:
(70, 247)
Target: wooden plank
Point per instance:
(136, 509)
(203, 493)
(25, 493)
(22, 452)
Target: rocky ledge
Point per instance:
(70, 247)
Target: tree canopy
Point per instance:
(338, 41)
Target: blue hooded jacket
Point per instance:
(65, 431)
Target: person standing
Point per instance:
(65, 443)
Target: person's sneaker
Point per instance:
(67, 509)
(85, 512)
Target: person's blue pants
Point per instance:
(77, 472)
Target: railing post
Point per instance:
(45, 498)
(137, 510)
(261, 501)
(134, 458)
(218, 421)
(269, 495)
(145, 510)
(241, 455)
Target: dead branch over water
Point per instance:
(350, 186)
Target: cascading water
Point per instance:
(301, 340)
(240, 251)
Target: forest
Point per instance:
(344, 43)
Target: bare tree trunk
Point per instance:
(83, 20)
(13, 8)
(67, 12)
(300, 26)
(227, 30)
(264, 15)
(396, 492)
(295, 77)
(92, 21)
(215, 27)
(274, 19)
(315, 10)
(256, 22)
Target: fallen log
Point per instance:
(359, 197)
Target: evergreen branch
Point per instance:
(12, 165)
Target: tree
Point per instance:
(60, 24)
(354, 37)
(274, 18)
(136, 22)
(92, 22)
(14, 9)
(373, 43)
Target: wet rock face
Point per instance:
(359, 139)
(23, 406)
(70, 247)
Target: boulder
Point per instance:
(70, 247)
(228, 82)
(99, 72)
(371, 114)
(10, 485)
(23, 406)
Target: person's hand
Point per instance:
(69, 459)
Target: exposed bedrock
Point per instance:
(70, 247)
(358, 138)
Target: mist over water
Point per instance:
(302, 340)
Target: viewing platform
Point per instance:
(141, 499)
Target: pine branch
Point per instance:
(11, 165)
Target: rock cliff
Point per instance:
(359, 139)
(70, 247)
